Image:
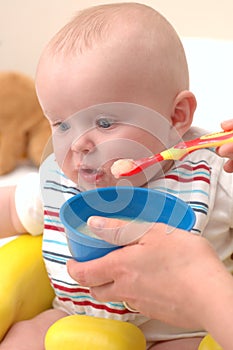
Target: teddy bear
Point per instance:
(24, 131)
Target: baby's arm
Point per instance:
(9, 223)
(21, 207)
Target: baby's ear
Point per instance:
(183, 110)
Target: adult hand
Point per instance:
(227, 149)
(168, 274)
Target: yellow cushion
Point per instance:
(25, 288)
(85, 332)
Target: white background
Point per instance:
(206, 28)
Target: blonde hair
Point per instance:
(100, 23)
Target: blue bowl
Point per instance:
(119, 202)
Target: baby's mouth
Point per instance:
(90, 171)
(90, 174)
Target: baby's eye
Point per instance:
(104, 122)
(64, 126)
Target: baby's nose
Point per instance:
(82, 144)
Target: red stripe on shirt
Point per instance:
(55, 228)
(196, 167)
(51, 213)
(71, 289)
(181, 179)
(96, 306)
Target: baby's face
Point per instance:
(95, 108)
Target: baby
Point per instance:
(113, 84)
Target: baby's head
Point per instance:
(117, 54)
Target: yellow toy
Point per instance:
(24, 131)
(26, 291)
(87, 332)
(208, 343)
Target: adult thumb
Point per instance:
(118, 231)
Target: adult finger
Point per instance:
(228, 166)
(106, 292)
(226, 150)
(91, 273)
(227, 125)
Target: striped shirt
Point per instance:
(198, 179)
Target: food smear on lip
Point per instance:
(122, 166)
(91, 174)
